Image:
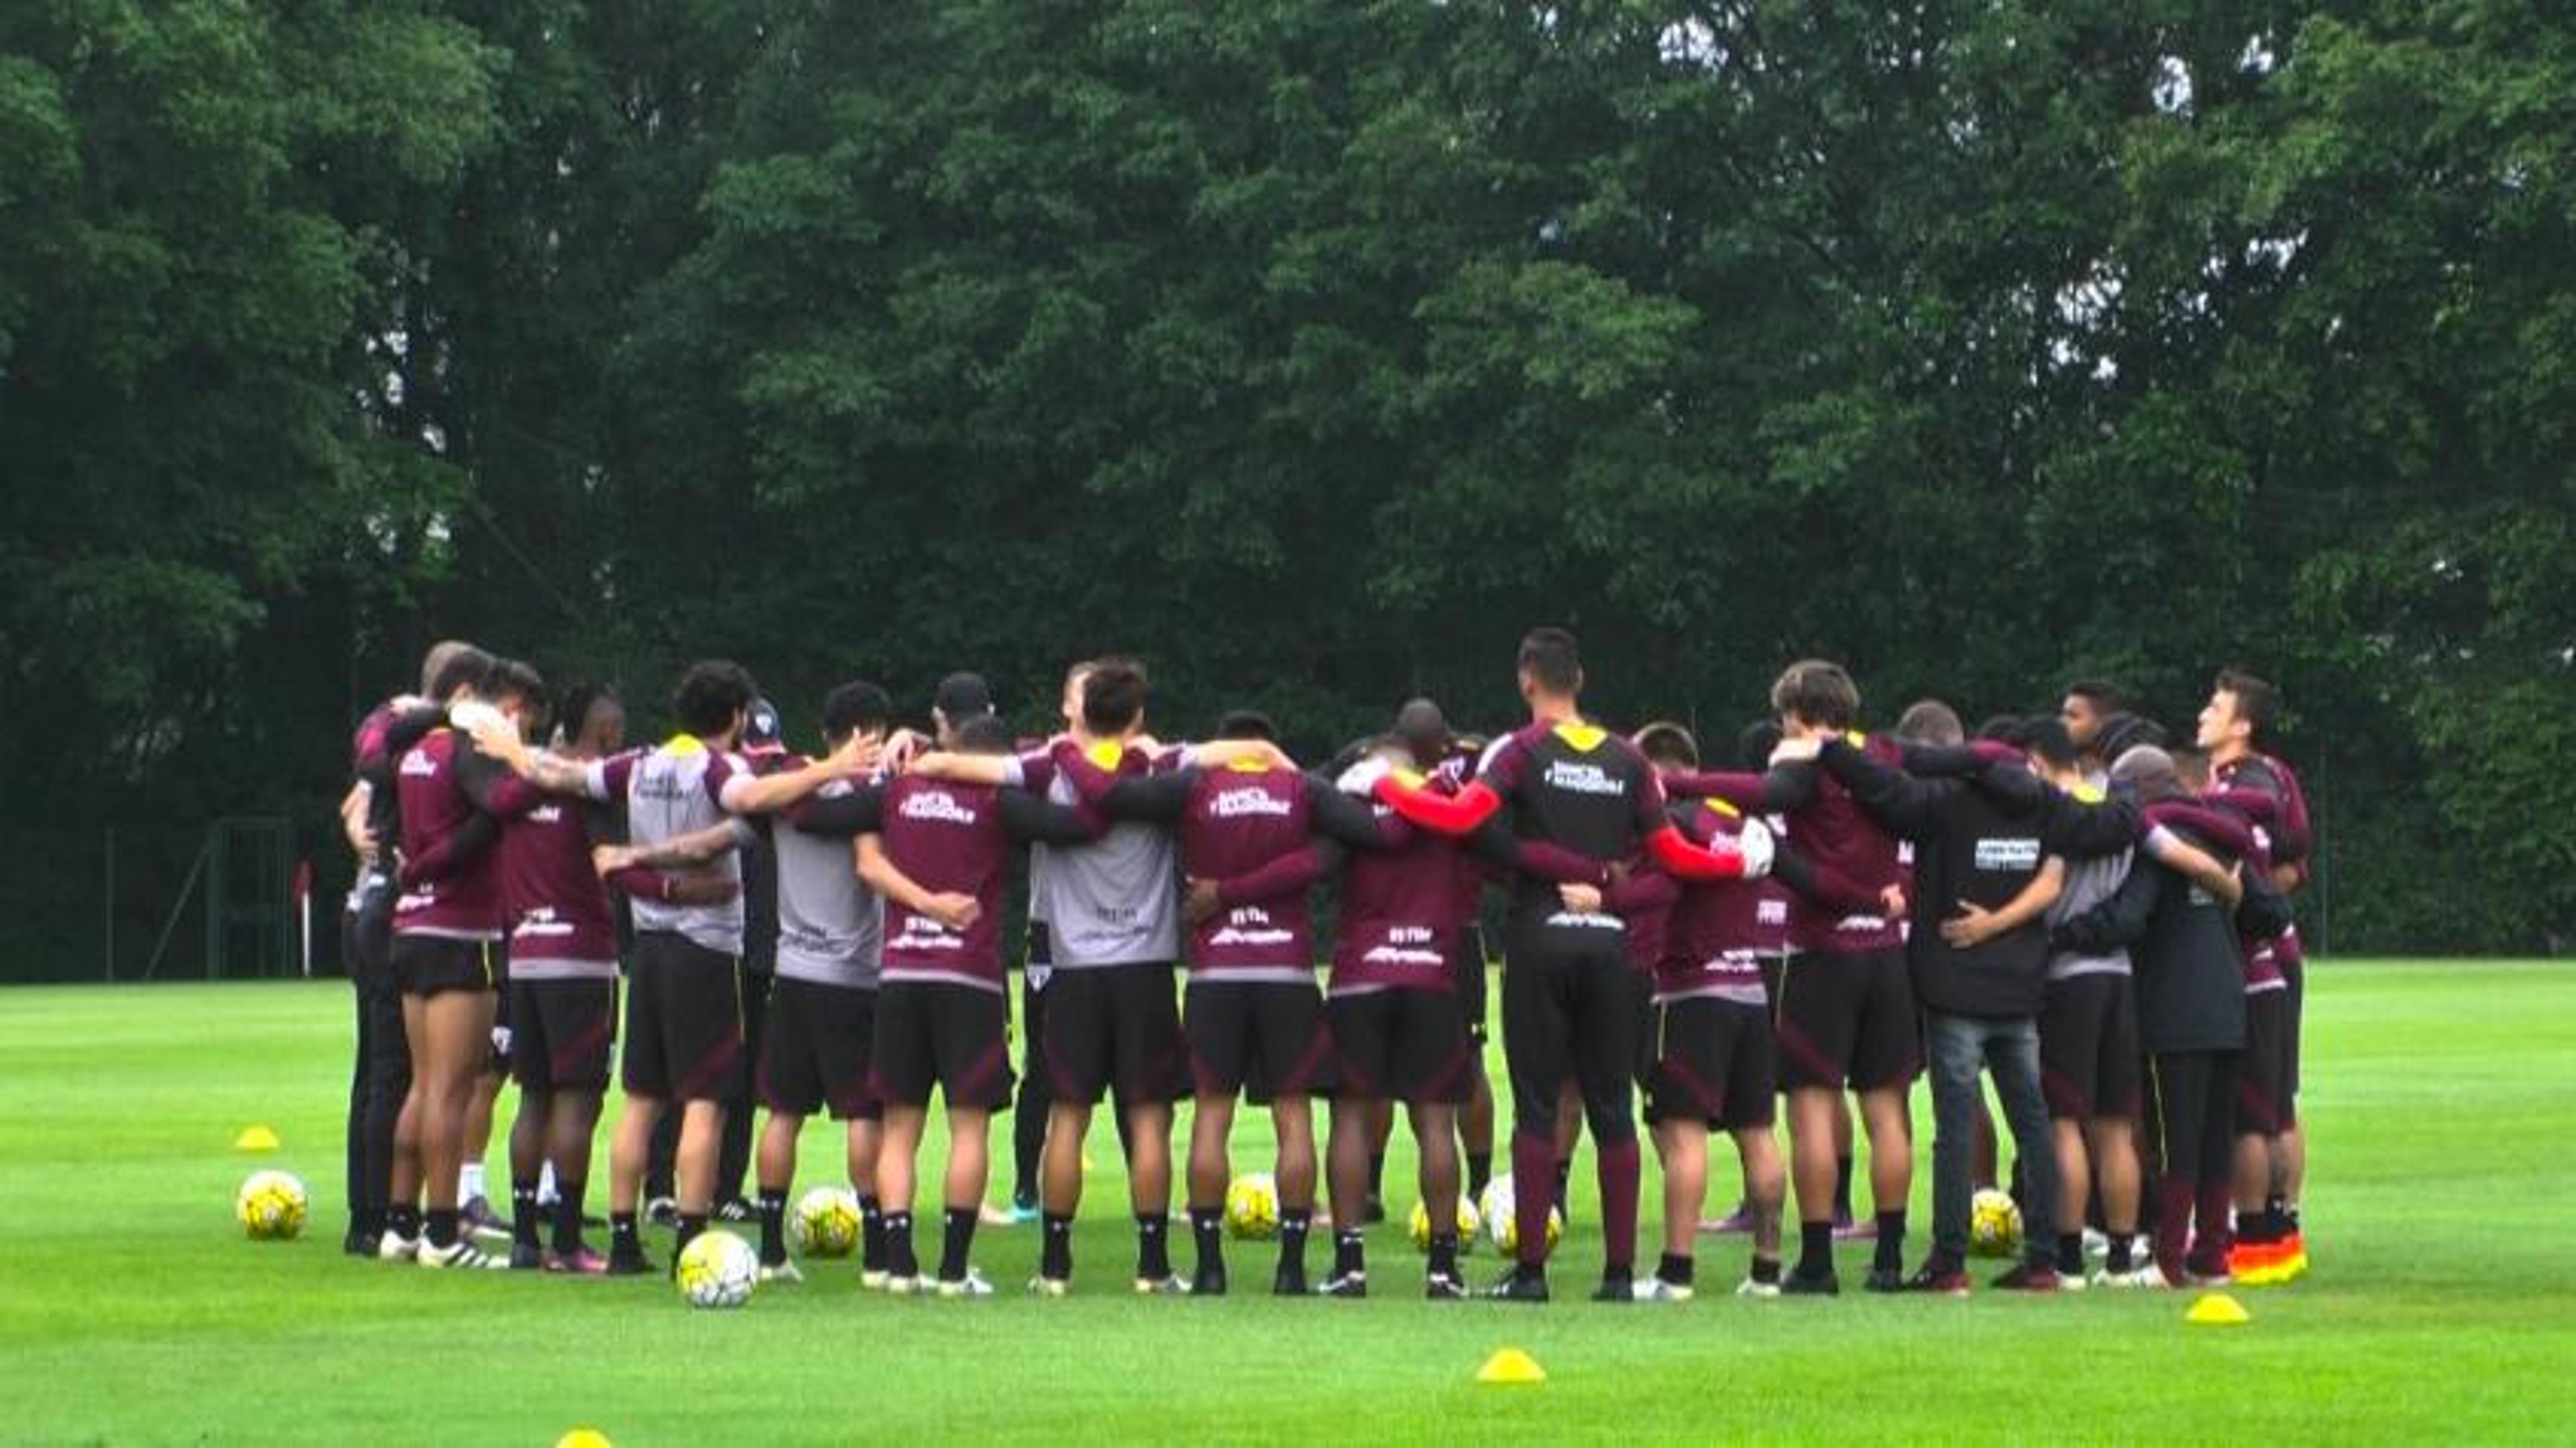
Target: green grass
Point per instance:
(2443, 1096)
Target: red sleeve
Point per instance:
(1286, 874)
(1457, 814)
(1669, 849)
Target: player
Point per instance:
(1568, 1007)
(940, 856)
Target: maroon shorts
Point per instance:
(1259, 1038)
(1713, 1063)
(683, 1021)
(562, 1033)
(817, 1050)
(2090, 1063)
(937, 1033)
(2263, 1067)
(1847, 1021)
(1400, 1045)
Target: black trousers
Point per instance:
(380, 1074)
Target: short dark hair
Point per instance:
(2105, 697)
(1113, 696)
(2191, 766)
(579, 699)
(518, 679)
(2047, 738)
(1664, 742)
(1929, 721)
(984, 734)
(1818, 691)
(1754, 745)
(857, 707)
(2121, 733)
(2257, 702)
(1246, 724)
(1549, 655)
(2010, 729)
(710, 693)
(465, 667)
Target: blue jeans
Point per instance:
(1959, 1047)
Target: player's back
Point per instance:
(464, 902)
(1112, 900)
(1834, 832)
(1578, 787)
(674, 790)
(830, 924)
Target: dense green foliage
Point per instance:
(1311, 349)
(2437, 1309)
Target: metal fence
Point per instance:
(211, 900)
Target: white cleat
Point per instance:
(460, 1256)
(2149, 1278)
(395, 1247)
(1162, 1287)
(1656, 1289)
(873, 1279)
(1750, 1287)
(903, 1286)
(1045, 1286)
(973, 1285)
(783, 1272)
(2096, 1244)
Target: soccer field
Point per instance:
(2442, 1097)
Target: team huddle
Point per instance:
(2095, 920)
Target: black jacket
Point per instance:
(2183, 950)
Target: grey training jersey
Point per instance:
(831, 926)
(2088, 883)
(1114, 901)
(672, 791)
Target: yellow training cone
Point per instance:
(1511, 1365)
(583, 1438)
(255, 1138)
(2217, 1309)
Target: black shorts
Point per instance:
(817, 1051)
(1471, 975)
(1570, 1013)
(2090, 1062)
(1713, 1062)
(1847, 1020)
(2295, 971)
(428, 965)
(1114, 1025)
(683, 1021)
(2263, 1067)
(561, 1033)
(937, 1033)
(1258, 1038)
(1400, 1045)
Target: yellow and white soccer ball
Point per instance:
(1252, 1207)
(1994, 1224)
(826, 1223)
(1470, 1222)
(1502, 1222)
(270, 1206)
(718, 1270)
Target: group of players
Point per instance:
(2096, 921)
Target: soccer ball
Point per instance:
(1994, 1224)
(718, 1270)
(270, 1205)
(1469, 1223)
(1503, 1224)
(1252, 1207)
(827, 1222)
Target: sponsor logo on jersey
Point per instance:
(936, 805)
(1236, 803)
(2020, 854)
(1575, 777)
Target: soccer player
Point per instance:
(371, 818)
(446, 954)
(2088, 705)
(1253, 1017)
(683, 1024)
(1569, 1010)
(940, 857)
(2234, 727)
(1113, 918)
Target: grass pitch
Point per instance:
(2442, 1098)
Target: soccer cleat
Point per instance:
(622, 1263)
(1444, 1287)
(2072, 1282)
(970, 1285)
(2027, 1277)
(781, 1272)
(1045, 1286)
(874, 1279)
(1521, 1284)
(2146, 1278)
(1024, 1210)
(2294, 1257)
(1939, 1280)
(1210, 1282)
(359, 1243)
(526, 1257)
(1734, 1224)
(1616, 1289)
(2096, 1244)
(1162, 1287)
(662, 1212)
(458, 1256)
(989, 1215)
(1755, 1287)
(1344, 1284)
(1802, 1283)
(580, 1262)
(1884, 1279)
(1656, 1289)
(395, 1247)
(902, 1286)
(1289, 1281)
(476, 1216)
